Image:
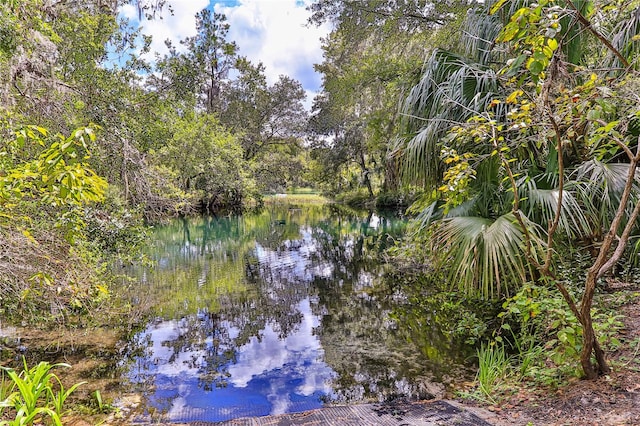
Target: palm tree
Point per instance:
(554, 177)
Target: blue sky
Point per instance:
(274, 32)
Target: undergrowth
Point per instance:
(35, 395)
(538, 343)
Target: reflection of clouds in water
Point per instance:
(364, 280)
(297, 259)
(277, 374)
(299, 353)
(256, 357)
(181, 404)
(279, 400)
(298, 357)
(187, 358)
(375, 221)
(163, 356)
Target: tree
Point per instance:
(270, 121)
(212, 168)
(371, 58)
(264, 116)
(340, 142)
(211, 56)
(549, 123)
(390, 16)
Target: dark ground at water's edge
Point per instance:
(429, 413)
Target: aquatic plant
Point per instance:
(32, 394)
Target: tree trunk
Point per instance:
(365, 172)
(590, 344)
(603, 263)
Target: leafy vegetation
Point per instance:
(511, 127)
(510, 138)
(34, 394)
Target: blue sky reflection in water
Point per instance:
(273, 313)
(270, 375)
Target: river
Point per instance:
(280, 311)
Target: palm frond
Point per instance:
(480, 32)
(428, 215)
(599, 187)
(574, 36)
(541, 205)
(484, 256)
(625, 40)
(451, 90)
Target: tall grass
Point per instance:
(6, 387)
(295, 199)
(493, 366)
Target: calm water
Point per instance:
(277, 312)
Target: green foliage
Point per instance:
(49, 191)
(542, 316)
(396, 199)
(370, 60)
(114, 228)
(461, 318)
(538, 341)
(6, 387)
(211, 56)
(354, 198)
(212, 168)
(482, 256)
(57, 178)
(35, 393)
(546, 335)
(295, 199)
(503, 157)
(532, 31)
(101, 405)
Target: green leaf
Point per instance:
(536, 67)
(594, 114)
(516, 64)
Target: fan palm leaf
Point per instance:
(541, 205)
(626, 41)
(483, 256)
(599, 187)
(451, 90)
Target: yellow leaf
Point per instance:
(513, 97)
(27, 234)
(102, 289)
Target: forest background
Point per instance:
(510, 128)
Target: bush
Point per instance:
(113, 228)
(357, 198)
(395, 200)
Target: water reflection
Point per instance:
(273, 313)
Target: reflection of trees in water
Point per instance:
(276, 260)
(374, 357)
(211, 348)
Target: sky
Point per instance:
(274, 32)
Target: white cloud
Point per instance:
(174, 26)
(276, 33)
